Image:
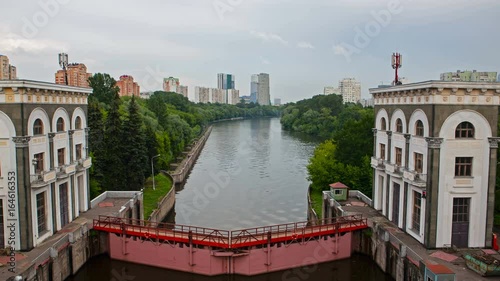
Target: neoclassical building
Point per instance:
(44, 164)
(435, 158)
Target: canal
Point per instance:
(250, 173)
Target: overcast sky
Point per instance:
(303, 44)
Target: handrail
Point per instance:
(225, 238)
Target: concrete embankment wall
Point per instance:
(180, 174)
(390, 254)
(67, 255)
(165, 205)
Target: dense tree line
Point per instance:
(345, 155)
(125, 133)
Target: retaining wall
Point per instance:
(165, 205)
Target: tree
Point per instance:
(113, 169)
(104, 88)
(135, 156)
(96, 143)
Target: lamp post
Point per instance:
(153, 170)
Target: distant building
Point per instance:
(146, 95)
(7, 71)
(350, 89)
(76, 74)
(183, 90)
(498, 79)
(435, 160)
(277, 101)
(171, 84)
(127, 86)
(225, 81)
(329, 90)
(216, 95)
(366, 102)
(44, 153)
(259, 89)
(202, 95)
(233, 96)
(245, 99)
(469, 76)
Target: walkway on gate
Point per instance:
(228, 239)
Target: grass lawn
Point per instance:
(317, 202)
(163, 184)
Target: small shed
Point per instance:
(340, 191)
(438, 272)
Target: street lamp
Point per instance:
(153, 170)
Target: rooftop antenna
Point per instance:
(63, 62)
(397, 62)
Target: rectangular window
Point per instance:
(461, 209)
(60, 156)
(417, 203)
(78, 153)
(40, 213)
(382, 151)
(39, 162)
(338, 192)
(399, 156)
(463, 166)
(419, 162)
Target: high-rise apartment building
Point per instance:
(259, 89)
(183, 90)
(128, 87)
(233, 96)
(469, 76)
(217, 95)
(350, 89)
(225, 81)
(7, 71)
(277, 102)
(171, 84)
(202, 95)
(76, 75)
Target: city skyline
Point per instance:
(302, 52)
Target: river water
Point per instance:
(250, 173)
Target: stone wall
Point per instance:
(165, 205)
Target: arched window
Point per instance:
(399, 126)
(60, 124)
(419, 128)
(38, 127)
(383, 125)
(78, 123)
(464, 130)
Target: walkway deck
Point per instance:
(228, 239)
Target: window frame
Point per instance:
(41, 213)
(463, 166)
(38, 127)
(399, 125)
(382, 151)
(418, 158)
(419, 128)
(39, 162)
(383, 124)
(416, 211)
(60, 126)
(61, 156)
(338, 192)
(78, 123)
(464, 131)
(398, 156)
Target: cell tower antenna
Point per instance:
(63, 62)
(397, 62)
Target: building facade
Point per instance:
(183, 90)
(469, 76)
(7, 71)
(259, 89)
(350, 89)
(128, 87)
(435, 159)
(329, 90)
(233, 96)
(216, 95)
(225, 81)
(76, 74)
(202, 95)
(171, 84)
(44, 175)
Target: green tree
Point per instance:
(96, 143)
(104, 88)
(113, 169)
(135, 156)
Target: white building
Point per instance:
(329, 90)
(217, 95)
(259, 89)
(202, 95)
(233, 96)
(183, 90)
(350, 89)
(44, 162)
(435, 159)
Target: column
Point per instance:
(24, 193)
(51, 150)
(405, 184)
(86, 144)
(432, 190)
(490, 209)
(388, 177)
(70, 134)
(375, 186)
